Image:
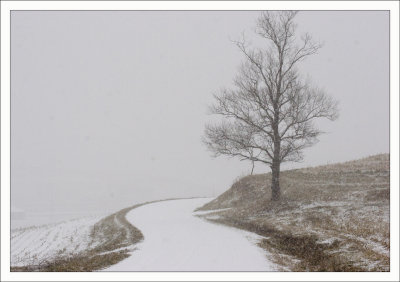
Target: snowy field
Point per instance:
(36, 244)
(175, 239)
(31, 219)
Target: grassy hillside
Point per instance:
(331, 218)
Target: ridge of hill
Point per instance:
(330, 218)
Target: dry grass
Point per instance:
(77, 263)
(115, 232)
(344, 203)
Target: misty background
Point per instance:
(108, 108)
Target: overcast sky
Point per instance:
(108, 108)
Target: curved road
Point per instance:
(176, 240)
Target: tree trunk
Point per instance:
(276, 161)
(276, 190)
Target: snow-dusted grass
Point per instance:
(340, 212)
(33, 245)
(78, 245)
(177, 240)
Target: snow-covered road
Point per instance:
(176, 240)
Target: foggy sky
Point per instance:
(108, 108)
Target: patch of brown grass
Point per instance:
(77, 263)
(112, 235)
(312, 255)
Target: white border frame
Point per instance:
(7, 6)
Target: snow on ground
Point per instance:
(30, 219)
(32, 245)
(175, 239)
(210, 211)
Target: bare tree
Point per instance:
(269, 113)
